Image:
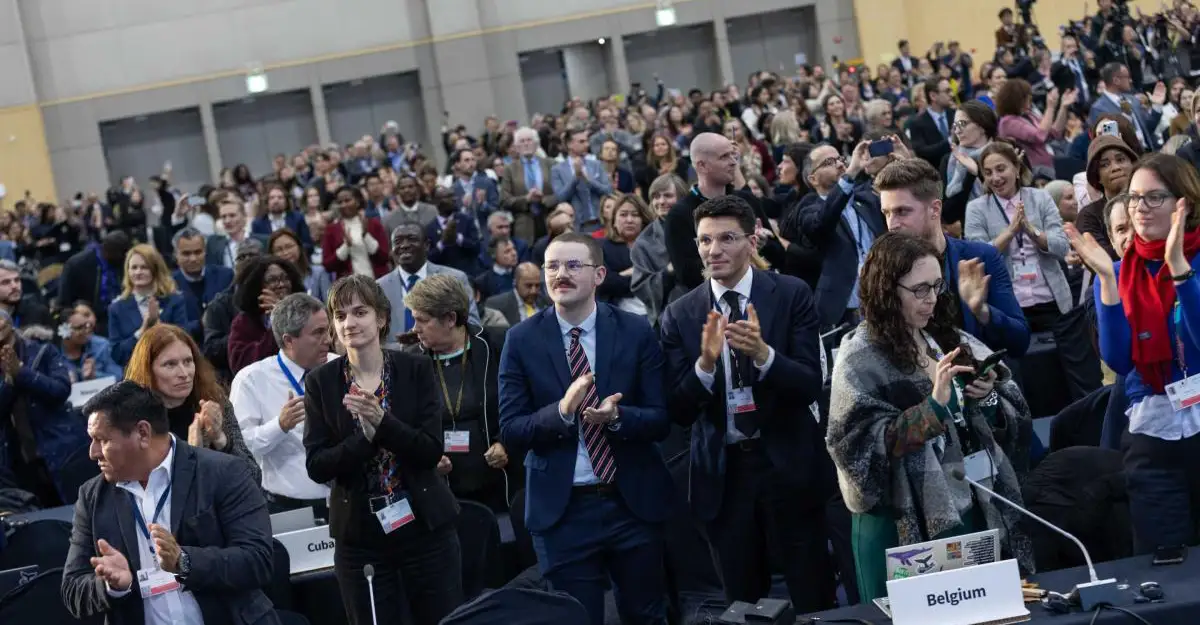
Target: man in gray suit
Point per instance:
(526, 297)
(525, 188)
(167, 533)
(410, 251)
(411, 209)
(580, 181)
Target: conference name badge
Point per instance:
(395, 516)
(740, 401)
(1026, 269)
(979, 467)
(154, 582)
(1184, 393)
(456, 441)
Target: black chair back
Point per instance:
(39, 601)
(519, 605)
(44, 543)
(479, 541)
(74, 472)
(280, 590)
(526, 556)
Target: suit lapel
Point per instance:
(123, 511)
(762, 295)
(553, 342)
(606, 332)
(519, 183)
(182, 476)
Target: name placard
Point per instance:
(986, 593)
(309, 549)
(83, 391)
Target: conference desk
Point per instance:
(1180, 606)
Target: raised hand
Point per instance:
(712, 341)
(292, 413)
(151, 314)
(112, 567)
(1177, 261)
(973, 283)
(1090, 252)
(746, 337)
(572, 399)
(1159, 97)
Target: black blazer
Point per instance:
(338, 451)
(218, 515)
(792, 437)
(927, 141)
(954, 208)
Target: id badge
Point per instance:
(456, 441)
(979, 467)
(1184, 393)
(154, 582)
(395, 516)
(1027, 269)
(740, 401)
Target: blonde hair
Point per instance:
(784, 128)
(164, 284)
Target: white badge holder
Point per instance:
(395, 516)
(456, 441)
(154, 582)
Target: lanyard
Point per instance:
(1020, 236)
(287, 373)
(959, 419)
(102, 294)
(462, 382)
(137, 510)
(1179, 338)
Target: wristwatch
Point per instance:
(615, 423)
(185, 567)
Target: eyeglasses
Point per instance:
(277, 280)
(961, 123)
(1154, 199)
(831, 162)
(922, 291)
(572, 267)
(725, 240)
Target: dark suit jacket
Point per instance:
(534, 376)
(217, 278)
(218, 515)
(1007, 328)
(338, 451)
(261, 227)
(794, 441)
(491, 196)
(463, 257)
(124, 319)
(822, 221)
(508, 305)
(81, 280)
(927, 141)
(1147, 120)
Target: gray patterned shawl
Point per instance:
(868, 394)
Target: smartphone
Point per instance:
(987, 365)
(1169, 555)
(883, 147)
(195, 201)
(1108, 127)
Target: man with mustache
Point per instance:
(410, 253)
(590, 412)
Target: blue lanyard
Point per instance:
(137, 511)
(290, 378)
(1179, 336)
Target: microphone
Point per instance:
(1096, 591)
(369, 572)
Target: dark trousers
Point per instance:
(597, 540)
(418, 576)
(279, 503)
(1163, 481)
(766, 523)
(1072, 337)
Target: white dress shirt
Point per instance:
(258, 393)
(172, 608)
(584, 474)
(742, 288)
(357, 246)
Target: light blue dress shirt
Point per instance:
(583, 462)
(862, 238)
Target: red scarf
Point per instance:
(1148, 301)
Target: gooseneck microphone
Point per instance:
(369, 573)
(1097, 591)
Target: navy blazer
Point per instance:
(1007, 328)
(463, 257)
(793, 438)
(124, 319)
(533, 378)
(261, 228)
(217, 278)
(491, 196)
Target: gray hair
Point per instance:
(498, 215)
(526, 131)
(292, 313)
(8, 265)
(187, 233)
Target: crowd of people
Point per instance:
(834, 255)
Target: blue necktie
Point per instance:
(941, 124)
(408, 317)
(530, 174)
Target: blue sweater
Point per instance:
(1116, 337)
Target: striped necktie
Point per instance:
(593, 435)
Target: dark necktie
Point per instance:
(741, 367)
(408, 317)
(593, 435)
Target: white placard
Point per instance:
(309, 549)
(986, 593)
(83, 391)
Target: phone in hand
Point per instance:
(987, 365)
(1173, 554)
(882, 147)
(1109, 127)
(195, 201)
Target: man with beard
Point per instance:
(1110, 162)
(410, 208)
(279, 216)
(410, 254)
(24, 311)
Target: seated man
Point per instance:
(188, 526)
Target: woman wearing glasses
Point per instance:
(1024, 224)
(1149, 323)
(974, 129)
(910, 406)
(268, 281)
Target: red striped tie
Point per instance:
(593, 435)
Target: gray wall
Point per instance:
(544, 81)
(771, 41)
(140, 146)
(90, 61)
(251, 131)
(362, 107)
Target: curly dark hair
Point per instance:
(891, 257)
(246, 296)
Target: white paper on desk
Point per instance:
(83, 391)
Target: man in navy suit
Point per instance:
(198, 280)
(454, 236)
(910, 193)
(590, 415)
(1119, 98)
(744, 367)
(474, 192)
(278, 217)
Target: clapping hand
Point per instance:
(496, 456)
(212, 421)
(712, 341)
(1090, 252)
(746, 337)
(444, 466)
(605, 412)
(166, 548)
(573, 398)
(1018, 220)
(1177, 261)
(966, 161)
(973, 283)
(364, 406)
(151, 314)
(1159, 96)
(89, 368)
(292, 413)
(112, 567)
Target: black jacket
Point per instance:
(217, 321)
(927, 141)
(338, 451)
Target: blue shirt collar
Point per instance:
(588, 326)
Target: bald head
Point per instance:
(714, 158)
(707, 145)
(528, 282)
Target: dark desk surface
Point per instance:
(1180, 584)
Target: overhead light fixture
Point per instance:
(664, 14)
(256, 79)
(600, 41)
